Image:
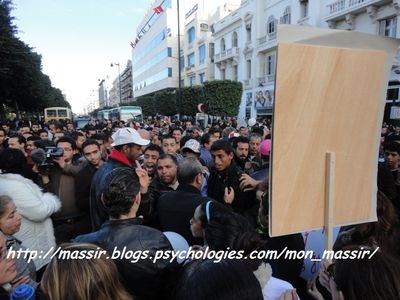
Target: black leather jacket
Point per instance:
(142, 277)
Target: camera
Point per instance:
(45, 158)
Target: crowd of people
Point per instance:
(163, 187)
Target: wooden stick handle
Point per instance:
(329, 198)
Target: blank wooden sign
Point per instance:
(327, 99)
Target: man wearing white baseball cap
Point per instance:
(127, 147)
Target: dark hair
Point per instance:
(384, 233)
(121, 188)
(90, 142)
(33, 138)
(67, 139)
(392, 146)
(98, 136)
(41, 131)
(226, 280)
(167, 137)
(214, 130)
(205, 139)
(167, 156)
(20, 138)
(222, 226)
(369, 278)
(177, 128)
(77, 134)
(239, 139)
(13, 161)
(257, 130)
(90, 128)
(222, 145)
(153, 147)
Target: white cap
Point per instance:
(128, 136)
(252, 122)
(178, 243)
(192, 145)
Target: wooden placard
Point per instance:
(327, 99)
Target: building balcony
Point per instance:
(338, 9)
(248, 84)
(265, 80)
(226, 54)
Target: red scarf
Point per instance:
(118, 156)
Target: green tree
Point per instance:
(191, 97)
(165, 102)
(222, 97)
(147, 105)
(22, 83)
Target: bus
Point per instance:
(104, 114)
(57, 114)
(127, 114)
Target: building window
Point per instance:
(222, 44)
(211, 51)
(285, 19)
(190, 59)
(169, 51)
(392, 94)
(169, 72)
(303, 9)
(191, 34)
(202, 77)
(234, 40)
(223, 74)
(271, 25)
(192, 80)
(202, 54)
(248, 65)
(248, 32)
(387, 27)
(235, 73)
(270, 65)
(182, 60)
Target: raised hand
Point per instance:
(144, 178)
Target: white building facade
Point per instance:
(155, 50)
(245, 40)
(370, 16)
(245, 47)
(197, 44)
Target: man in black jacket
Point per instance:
(175, 209)
(165, 181)
(92, 153)
(142, 275)
(225, 177)
(127, 149)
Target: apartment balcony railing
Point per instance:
(248, 84)
(226, 54)
(262, 81)
(339, 8)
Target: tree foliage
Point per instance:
(191, 97)
(222, 97)
(165, 103)
(22, 83)
(147, 105)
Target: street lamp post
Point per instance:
(179, 65)
(119, 80)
